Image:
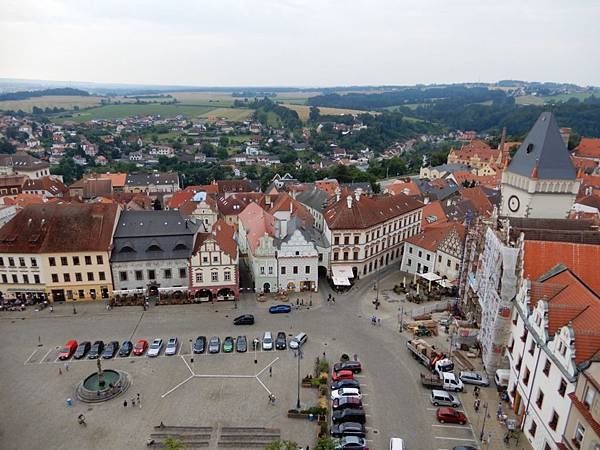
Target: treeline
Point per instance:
(406, 96)
(582, 116)
(289, 118)
(22, 95)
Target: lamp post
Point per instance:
(299, 358)
(485, 413)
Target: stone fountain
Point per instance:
(102, 385)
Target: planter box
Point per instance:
(297, 415)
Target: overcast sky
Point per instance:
(300, 42)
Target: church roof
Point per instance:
(543, 153)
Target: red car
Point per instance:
(450, 415)
(140, 347)
(68, 350)
(342, 375)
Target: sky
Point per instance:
(300, 42)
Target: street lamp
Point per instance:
(485, 406)
(299, 356)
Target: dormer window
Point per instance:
(180, 246)
(127, 249)
(154, 248)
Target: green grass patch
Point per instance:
(129, 110)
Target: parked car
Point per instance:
(350, 442)
(450, 415)
(267, 342)
(110, 350)
(281, 341)
(348, 429)
(280, 309)
(464, 447)
(82, 349)
(342, 375)
(155, 348)
(214, 345)
(346, 392)
(126, 348)
(443, 398)
(200, 344)
(241, 344)
(246, 319)
(228, 344)
(349, 415)
(347, 402)
(67, 351)
(351, 383)
(298, 341)
(354, 366)
(140, 347)
(476, 378)
(171, 348)
(96, 350)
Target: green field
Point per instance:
(122, 111)
(541, 100)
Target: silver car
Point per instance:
(155, 348)
(214, 345)
(476, 378)
(171, 348)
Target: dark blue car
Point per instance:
(280, 309)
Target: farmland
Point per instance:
(130, 110)
(303, 110)
(51, 101)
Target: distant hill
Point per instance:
(22, 95)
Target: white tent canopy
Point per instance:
(342, 272)
(444, 283)
(430, 276)
(343, 281)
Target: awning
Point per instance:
(341, 281)
(342, 272)
(172, 289)
(430, 276)
(128, 291)
(445, 283)
(26, 290)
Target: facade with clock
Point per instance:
(540, 181)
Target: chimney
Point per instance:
(565, 133)
(349, 201)
(357, 193)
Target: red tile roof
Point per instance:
(234, 204)
(585, 412)
(368, 211)
(582, 259)
(180, 197)
(433, 214)
(433, 236)
(328, 186)
(588, 148)
(257, 222)
(403, 187)
(223, 234)
(587, 165)
(476, 148)
(285, 202)
(478, 199)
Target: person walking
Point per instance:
(476, 405)
(133, 402)
(59, 371)
(379, 321)
(124, 403)
(66, 366)
(270, 371)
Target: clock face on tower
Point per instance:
(513, 203)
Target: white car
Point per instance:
(267, 343)
(171, 348)
(346, 392)
(155, 348)
(298, 341)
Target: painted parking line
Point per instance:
(456, 427)
(30, 356)
(188, 366)
(267, 366)
(45, 356)
(448, 438)
(176, 387)
(435, 409)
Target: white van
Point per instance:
(451, 382)
(298, 341)
(501, 378)
(267, 343)
(396, 444)
(443, 398)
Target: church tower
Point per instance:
(540, 181)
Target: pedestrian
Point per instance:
(133, 402)
(51, 308)
(270, 371)
(270, 398)
(476, 391)
(476, 405)
(379, 321)
(74, 310)
(273, 400)
(124, 403)
(499, 412)
(333, 300)
(355, 357)
(139, 400)
(324, 356)
(66, 366)
(59, 371)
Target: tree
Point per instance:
(7, 147)
(282, 445)
(222, 153)
(68, 169)
(189, 140)
(314, 115)
(174, 444)
(207, 149)
(325, 443)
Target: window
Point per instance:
(562, 388)
(270, 270)
(428, 257)
(554, 421)
(64, 261)
(532, 428)
(90, 276)
(199, 277)
(356, 240)
(55, 278)
(345, 256)
(167, 273)
(123, 276)
(336, 240)
(101, 276)
(262, 270)
(216, 258)
(439, 258)
(355, 255)
(511, 346)
(22, 262)
(4, 278)
(78, 277)
(420, 254)
(579, 433)
(214, 276)
(151, 274)
(67, 278)
(336, 256)
(448, 263)
(409, 262)
(1, 261)
(306, 269)
(11, 262)
(36, 279)
(283, 268)
(139, 275)
(456, 266)
(227, 275)
(205, 259)
(526, 376)
(540, 399)
(532, 347)
(182, 272)
(524, 335)
(346, 240)
(93, 294)
(88, 260)
(99, 259)
(75, 260)
(295, 270)
(26, 279)
(81, 293)
(15, 279)
(588, 398)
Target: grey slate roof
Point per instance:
(435, 192)
(314, 198)
(543, 149)
(156, 178)
(138, 232)
(454, 167)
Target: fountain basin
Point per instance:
(91, 389)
